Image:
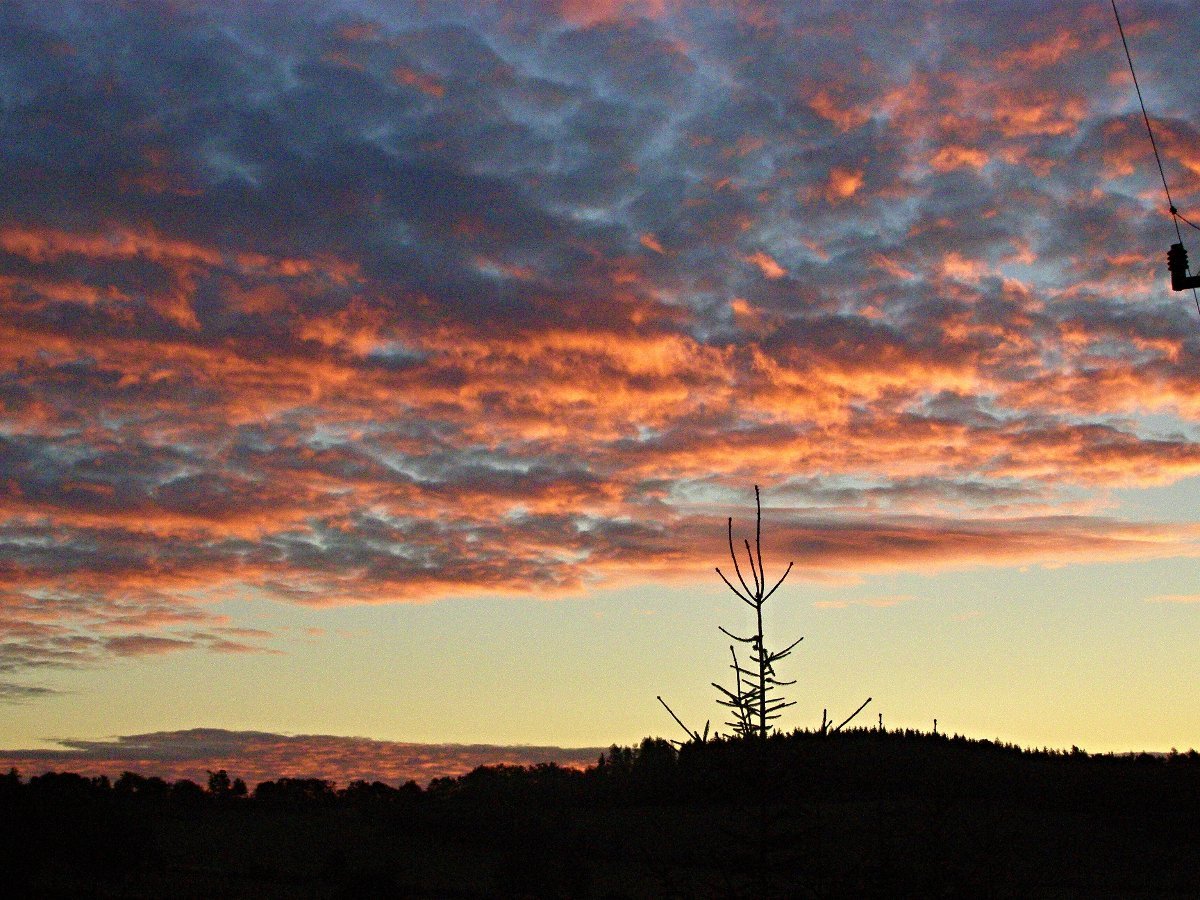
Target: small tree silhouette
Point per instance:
(219, 784)
(755, 702)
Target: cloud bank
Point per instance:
(257, 756)
(363, 302)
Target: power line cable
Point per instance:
(1175, 215)
(1186, 220)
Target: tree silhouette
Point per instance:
(755, 702)
(219, 784)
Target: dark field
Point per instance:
(857, 814)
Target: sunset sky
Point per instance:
(388, 370)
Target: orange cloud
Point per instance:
(891, 266)
(42, 245)
(426, 84)
(845, 117)
(952, 156)
(766, 264)
(650, 242)
(843, 184)
(587, 12)
(1041, 53)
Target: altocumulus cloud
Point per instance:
(261, 756)
(367, 302)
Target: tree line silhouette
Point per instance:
(863, 812)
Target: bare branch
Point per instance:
(754, 573)
(779, 582)
(785, 651)
(690, 733)
(745, 600)
(852, 715)
(733, 556)
(749, 640)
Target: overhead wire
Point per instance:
(1186, 220)
(1176, 216)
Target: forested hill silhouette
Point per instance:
(860, 813)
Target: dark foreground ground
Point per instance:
(857, 814)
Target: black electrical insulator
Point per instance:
(1177, 262)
